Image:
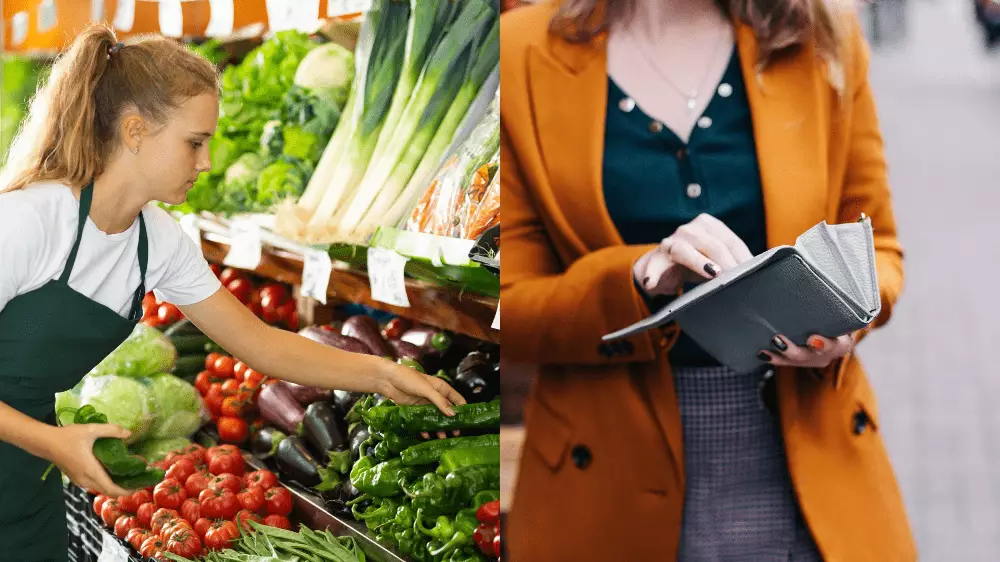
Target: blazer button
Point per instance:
(605, 350)
(581, 456)
(860, 422)
(628, 348)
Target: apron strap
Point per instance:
(86, 195)
(136, 313)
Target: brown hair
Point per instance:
(72, 128)
(779, 25)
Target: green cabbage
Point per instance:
(156, 449)
(145, 352)
(127, 402)
(179, 410)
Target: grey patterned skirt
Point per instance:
(739, 504)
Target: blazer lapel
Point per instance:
(786, 102)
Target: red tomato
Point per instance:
(263, 479)
(226, 481)
(169, 494)
(285, 311)
(139, 498)
(149, 299)
(220, 534)
(219, 504)
(395, 328)
(204, 381)
(184, 543)
(292, 322)
(216, 269)
(279, 521)
(124, 524)
(256, 309)
(255, 425)
(99, 503)
(214, 398)
(195, 452)
(228, 275)
(145, 514)
(231, 387)
(238, 369)
(196, 483)
(232, 430)
(223, 367)
(174, 527)
(252, 379)
(245, 515)
(161, 518)
(213, 452)
(234, 406)
(202, 526)
(276, 291)
(169, 314)
(191, 509)
(252, 499)
(210, 360)
(242, 289)
(269, 306)
(151, 547)
(110, 512)
(136, 537)
(279, 501)
(181, 470)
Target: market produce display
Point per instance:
(278, 109)
(19, 77)
(423, 63)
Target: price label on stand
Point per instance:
(112, 550)
(245, 251)
(47, 18)
(171, 18)
(336, 8)
(20, 24)
(221, 20)
(386, 276)
(316, 274)
(496, 319)
(292, 14)
(125, 15)
(189, 224)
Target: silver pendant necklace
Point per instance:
(690, 97)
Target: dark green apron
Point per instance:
(49, 339)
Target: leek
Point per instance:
(402, 200)
(439, 84)
(383, 72)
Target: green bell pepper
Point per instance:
(381, 480)
(415, 419)
(457, 458)
(430, 452)
(398, 443)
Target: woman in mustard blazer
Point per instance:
(651, 143)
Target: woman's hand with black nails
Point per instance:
(818, 352)
(695, 252)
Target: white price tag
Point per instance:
(336, 8)
(171, 18)
(112, 550)
(47, 18)
(245, 251)
(125, 15)
(189, 224)
(96, 10)
(386, 276)
(221, 20)
(19, 26)
(316, 274)
(292, 14)
(496, 319)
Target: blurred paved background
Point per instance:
(935, 367)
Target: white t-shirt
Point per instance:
(38, 225)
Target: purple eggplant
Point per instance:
(366, 329)
(344, 400)
(296, 462)
(333, 339)
(308, 394)
(477, 378)
(324, 429)
(264, 442)
(406, 350)
(279, 407)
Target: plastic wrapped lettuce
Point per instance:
(156, 449)
(179, 409)
(126, 401)
(145, 352)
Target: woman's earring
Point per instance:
(135, 150)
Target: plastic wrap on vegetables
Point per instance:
(147, 351)
(487, 214)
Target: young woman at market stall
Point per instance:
(115, 128)
(649, 143)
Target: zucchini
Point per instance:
(190, 345)
(189, 365)
(184, 327)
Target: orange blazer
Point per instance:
(567, 280)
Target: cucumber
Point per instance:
(189, 365)
(184, 327)
(189, 345)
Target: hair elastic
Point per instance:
(112, 51)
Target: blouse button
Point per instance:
(655, 127)
(626, 105)
(705, 122)
(725, 90)
(693, 191)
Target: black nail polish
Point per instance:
(779, 344)
(763, 356)
(711, 269)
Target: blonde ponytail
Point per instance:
(72, 126)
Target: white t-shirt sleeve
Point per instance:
(187, 277)
(22, 245)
